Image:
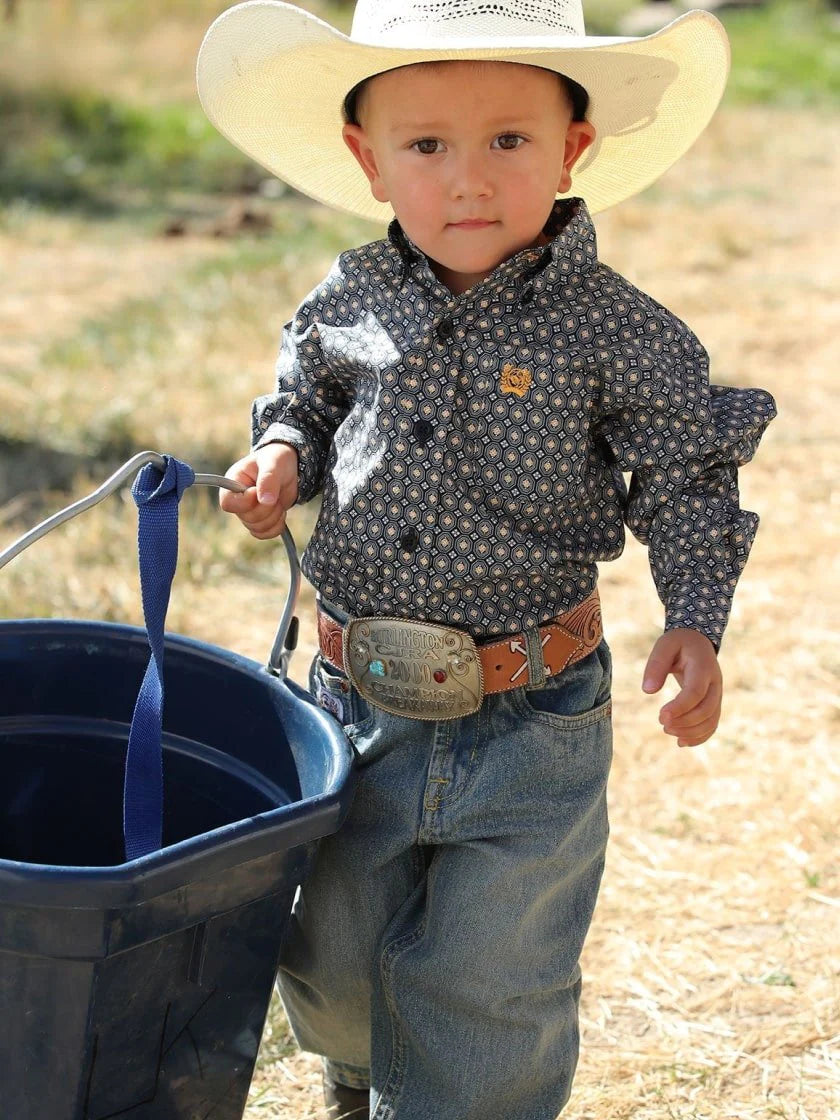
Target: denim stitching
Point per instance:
(561, 722)
(482, 722)
(455, 791)
(393, 1082)
(441, 745)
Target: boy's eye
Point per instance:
(427, 146)
(508, 141)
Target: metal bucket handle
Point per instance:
(286, 638)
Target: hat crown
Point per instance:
(447, 23)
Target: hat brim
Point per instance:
(273, 78)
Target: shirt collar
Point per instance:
(571, 252)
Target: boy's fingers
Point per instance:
(270, 476)
(268, 527)
(243, 471)
(695, 688)
(257, 519)
(277, 477)
(708, 708)
(268, 534)
(238, 503)
(273, 490)
(261, 518)
(268, 487)
(657, 669)
(697, 735)
(688, 700)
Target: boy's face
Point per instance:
(470, 155)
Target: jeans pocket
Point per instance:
(335, 694)
(576, 697)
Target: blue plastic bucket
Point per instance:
(139, 989)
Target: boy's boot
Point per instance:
(342, 1101)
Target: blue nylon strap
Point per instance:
(157, 495)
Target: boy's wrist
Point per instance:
(692, 630)
(711, 634)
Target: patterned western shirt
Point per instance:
(471, 448)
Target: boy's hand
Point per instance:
(271, 475)
(694, 713)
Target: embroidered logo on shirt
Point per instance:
(515, 380)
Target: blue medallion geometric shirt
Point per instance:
(471, 449)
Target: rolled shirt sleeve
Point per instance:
(309, 401)
(683, 440)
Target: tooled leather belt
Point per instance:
(427, 671)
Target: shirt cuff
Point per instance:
(700, 606)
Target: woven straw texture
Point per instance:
(442, 21)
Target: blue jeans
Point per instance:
(433, 953)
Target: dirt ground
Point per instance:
(712, 973)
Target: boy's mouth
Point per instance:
(472, 223)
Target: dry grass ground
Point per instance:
(713, 969)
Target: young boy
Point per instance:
(466, 393)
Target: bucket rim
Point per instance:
(230, 845)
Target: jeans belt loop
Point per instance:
(534, 654)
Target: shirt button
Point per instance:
(422, 431)
(444, 329)
(409, 540)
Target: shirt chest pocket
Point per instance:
(524, 446)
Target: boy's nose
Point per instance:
(470, 178)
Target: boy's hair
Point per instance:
(577, 95)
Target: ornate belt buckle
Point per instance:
(414, 669)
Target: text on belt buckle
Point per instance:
(414, 669)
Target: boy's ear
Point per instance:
(579, 135)
(357, 141)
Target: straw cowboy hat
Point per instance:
(272, 78)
